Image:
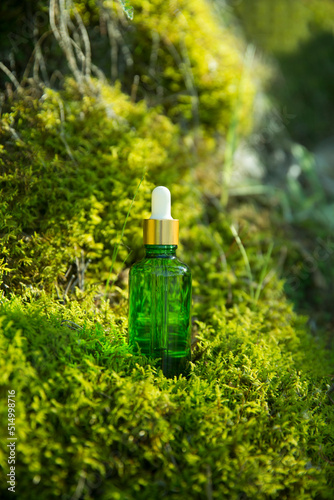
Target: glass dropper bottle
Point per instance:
(160, 293)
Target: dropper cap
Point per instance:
(161, 228)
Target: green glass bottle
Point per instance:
(160, 293)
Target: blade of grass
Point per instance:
(233, 138)
(117, 245)
(263, 272)
(245, 258)
(126, 258)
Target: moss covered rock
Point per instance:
(191, 64)
(70, 169)
(94, 420)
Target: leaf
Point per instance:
(128, 9)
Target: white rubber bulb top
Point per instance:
(161, 203)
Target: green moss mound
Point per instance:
(172, 54)
(70, 169)
(93, 420)
(253, 420)
(191, 64)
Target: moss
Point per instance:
(254, 418)
(67, 185)
(180, 56)
(247, 422)
(194, 62)
(93, 419)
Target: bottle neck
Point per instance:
(161, 250)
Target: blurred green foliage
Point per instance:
(93, 419)
(306, 89)
(281, 26)
(299, 34)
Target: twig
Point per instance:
(62, 130)
(68, 271)
(31, 58)
(134, 88)
(68, 286)
(56, 74)
(116, 40)
(113, 46)
(81, 269)
(84, 35)
(80, 486)
(11, 76)
(40, 58)
(15, 135)
(63, 38)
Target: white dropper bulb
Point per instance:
(161, 203)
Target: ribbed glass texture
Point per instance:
(159, 308)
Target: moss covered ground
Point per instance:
(254, 419)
